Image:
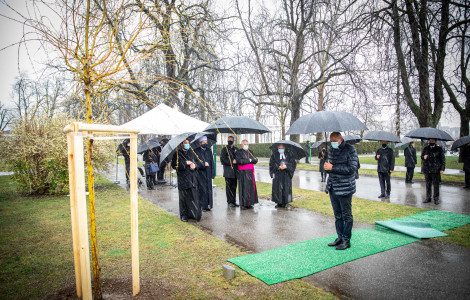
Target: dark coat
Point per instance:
(465, 155)
(227, 155)
(205, 176)
(410, 157)
(282, 179)
(323, 156)
(124, 150)
(342, 178)
(386, 162)
(149, 157)
(247, 192)
(436, 160)
(186, 177)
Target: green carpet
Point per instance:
(305, 258)
(420, 230)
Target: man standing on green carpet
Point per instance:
(341, 185)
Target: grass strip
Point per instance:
(36, 249)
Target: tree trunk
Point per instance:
(397, 115)
(295, 114)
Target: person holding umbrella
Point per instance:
(341, 185)
(410, 161)
(150, 158)
(385, 165)
(205, 174)
(162, 164)
(434, 164)
(227, 158)
(281, 169)
(323, 156)
(465, 156)
(247, 192)
(185, 163)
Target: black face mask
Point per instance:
(384, 145)
(205, 146)
(432, 144)
(230, 143)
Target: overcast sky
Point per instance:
(16, 59)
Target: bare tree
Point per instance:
(5, 117)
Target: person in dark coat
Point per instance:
(124, 150)
(323, 156)
(185, 163)
(465, 156)
(307, 152)
(247, 192)
(150, 157)
(281, 169)
(385, 165)
(205, 174)
(161, 172)
(341, 185)
(227, 158)
(434, 164)
(410, 162)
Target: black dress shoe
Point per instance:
(335, 243)
(249, 206)
(436, 201)
(244, 207)
(427, 201)
(381, 196)
(387, 196)
(206, 209)
(184, 219)
(233, 205)
(344, 245)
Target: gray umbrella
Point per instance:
(465, 140)
(295, 149)
(429, 133)
(211, 139)
(150, 144)
(326, 121)
(237, 125)
(380, 135)
(404, 140)
(172, 145)
(352, 139)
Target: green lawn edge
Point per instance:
(36, 250)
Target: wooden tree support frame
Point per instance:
(75, 135)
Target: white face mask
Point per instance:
(245, 147)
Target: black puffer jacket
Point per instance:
(436, 160)
(342, 178)
(386, 161)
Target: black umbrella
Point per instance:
(150, 144)
(465, 140)
(320, 143)
(237, 125)
(326, 121)
(172, 145)
(380, 135)
(211, 139)
(352, 139)
(429, 133)
(292, 147)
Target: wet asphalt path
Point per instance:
(423, 270)
(454, 198)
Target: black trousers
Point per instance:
(409, 173)
(231, 190)
(432, 181)
(467, 179)
(189, 204)
(161, 172)
(343, 215)
(127, 161)
(384, 180)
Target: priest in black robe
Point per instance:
(185, 163)
(205, 174)
(281, 169)
(247, 193)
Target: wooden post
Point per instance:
(134, 215)
(73, 215)
(80, 198)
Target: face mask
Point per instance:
(186, 146)
(205, 146)
(245, 147)
(432, 144)
(230, 143)
(280, 150)
(335, 145)
(384, 145)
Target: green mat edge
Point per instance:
(385, 225)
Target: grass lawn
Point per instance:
(366, 211)
(36, 250)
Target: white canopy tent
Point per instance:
(164, 120)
